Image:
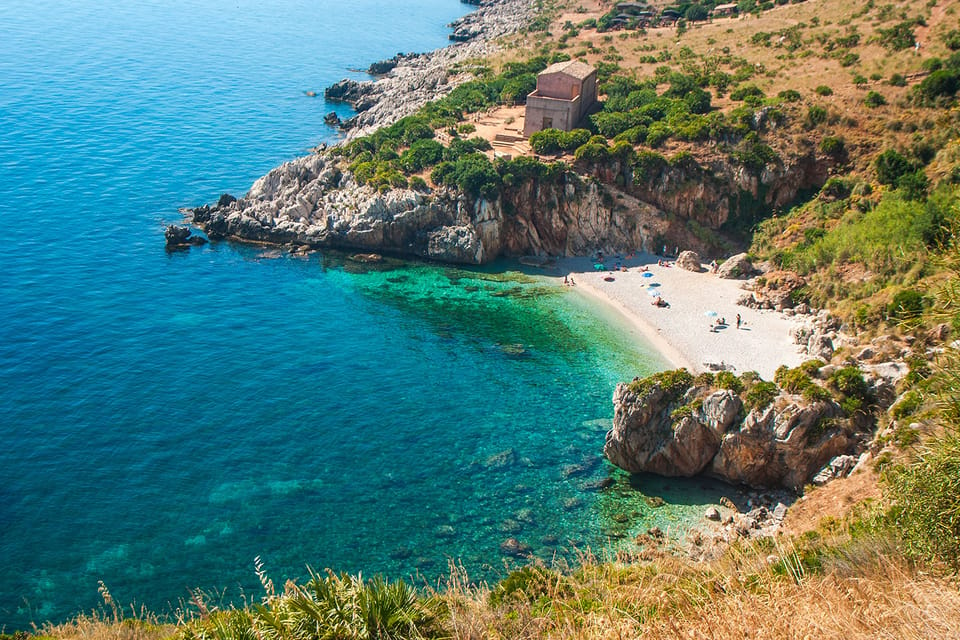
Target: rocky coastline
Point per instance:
(408, 81)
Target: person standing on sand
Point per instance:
(738, 321)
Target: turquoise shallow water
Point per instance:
(166, 418)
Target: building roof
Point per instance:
(725, 7)
(572, 68)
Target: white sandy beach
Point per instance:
(681, 332)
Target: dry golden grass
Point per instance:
(741, 596)
(96, 626)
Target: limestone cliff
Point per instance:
(700, 430)
(316, 201)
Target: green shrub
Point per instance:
(592, 152)
(874, 99)
(849, 59)
(906, 306)
(753, 153)
(704, 379)
(925, 494)
(815, 115)
(546, 141)
(528, 584)
(727, 380)
(674, 383)
(472, 173)
(812, 367)
(897, 80)
(891, 165)
(907, 405)
(421, 154)
(789, 95)
(832, 145)
(696, 13)
(418, 184)
(898, 37)
(792, 380)
(939, 85)
(760, 395)
(823, 90)
(746, 91)
(849, 382)
(345, 607)
(815, 393)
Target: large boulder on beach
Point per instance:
(661, 428)
(690, 261)
(738, 266)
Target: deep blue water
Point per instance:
(166, 418)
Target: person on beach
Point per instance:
(738, 321)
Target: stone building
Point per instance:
(565, 92)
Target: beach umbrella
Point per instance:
(647, 274)
(711, 314)
(653, 293)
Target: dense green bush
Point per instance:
(898, 37)
(421, 154)
(874, 99)
(906, 306)
(753, 153)
(472, 173)
(746, 91)
(673, 382)
(823, 90)
(760, 395)
(727, 380)
(696, 13)
(936, 87)
(815, 115)
(551, 141)
(849, 380)
(832, 145)
(333, 606)
(891, 165)
(792, 380)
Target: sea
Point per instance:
(166, 418)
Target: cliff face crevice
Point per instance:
(707, 432)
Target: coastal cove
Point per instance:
(168, 417)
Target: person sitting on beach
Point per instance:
(643, 269)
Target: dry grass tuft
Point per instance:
(756, 592)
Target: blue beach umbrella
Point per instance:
(711, 314)
(647, 275)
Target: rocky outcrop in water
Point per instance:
(707, 431)
(180, 237)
